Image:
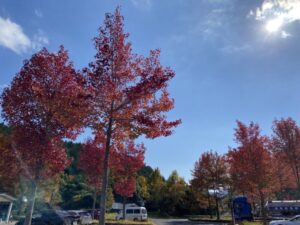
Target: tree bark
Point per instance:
(217, 208)
(105, 174)
(124, 207)
(51, 198)
(232, 211)
(94, 203)
(263, 210)
(30, 210)
(209, 206)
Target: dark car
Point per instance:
(51, 217)
(74, 216)
(81, 216)
(96, 213)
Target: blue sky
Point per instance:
(233, 60)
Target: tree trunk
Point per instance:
(232, 211)
(31, 205)
(263, 210)
(52, 198)
(94, 203)
(254, 209)
(295, 170)
(209, 206)
(298, 181)
(217, 208)
(124, 207)
(105, 174)
(221, 203)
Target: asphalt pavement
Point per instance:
(181, 222)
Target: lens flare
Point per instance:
(274, 25)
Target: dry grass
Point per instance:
(110, 219)
(208, 218)
(130, 222)
(251, 223)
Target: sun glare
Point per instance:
(274, 25)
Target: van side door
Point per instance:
(137, 214)
(129, 214)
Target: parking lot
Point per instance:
(180, 222)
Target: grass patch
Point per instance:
(250, 223)
(246, 222)
(110, 218)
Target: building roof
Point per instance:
(6, 198)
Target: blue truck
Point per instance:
(241, 208)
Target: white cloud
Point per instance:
(214, 24)
(236, 48)
(142, 4)
(286, 11)
(284, 34)
(39, 40)
(13, 37)
(38, 13)
(250, 14)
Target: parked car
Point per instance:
(133, 213)
(50, 217)
(292, 221)
(74, 215)
(84, 217)
(96, 213)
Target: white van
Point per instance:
(133, 213)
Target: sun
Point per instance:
(274, 25)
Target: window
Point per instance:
(129, 211)
(137, 211)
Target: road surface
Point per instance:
(180, 222)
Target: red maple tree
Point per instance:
(44, 104)
(125, 160)
(129, 159)
(9, 170)
(91, 163)
(129, 92)
(210, 173)
(250, 164)
(283, 175)
(286, 143)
